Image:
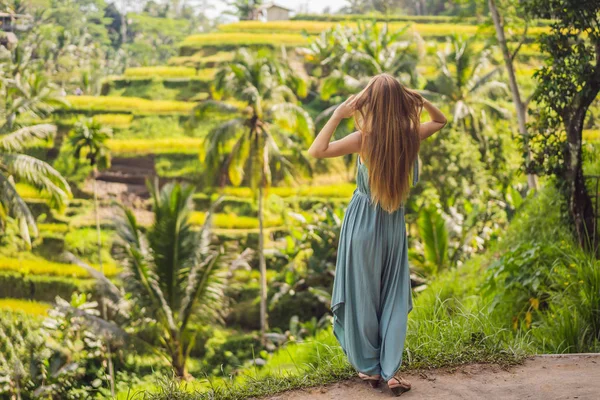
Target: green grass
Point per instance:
(128, 104)
(170, 72)
(316, 27)
(449, 326)
(28, 307)
(33, 265)
(200, 59)
(233, 221)
(224, 40)
(156, 146)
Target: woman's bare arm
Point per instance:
(438, 121)
(323, 148)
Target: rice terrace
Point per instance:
(166, 233)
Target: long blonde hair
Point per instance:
(388, 117)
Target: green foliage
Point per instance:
(433, 233)
(57, 359)
(40, 287)
(90, 137)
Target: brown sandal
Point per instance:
(372, 379)
(402, 386)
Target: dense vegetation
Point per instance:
(163, 232)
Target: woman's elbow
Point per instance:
(315, 153)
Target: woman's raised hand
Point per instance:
(347, 108)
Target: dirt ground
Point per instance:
(540, 377)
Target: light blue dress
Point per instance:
(371, 292)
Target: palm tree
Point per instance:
(372, 49)
(466, 83)
(248, 147)
(26, 95)
(89, 137)
(173, 276)
(174, 270)
(18, 167)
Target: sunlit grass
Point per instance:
(28, 307)
(220, 39)
(114, 120)
(131, 104)
(170, 72)
(233, 221)
(316, 27)
(342, 190)
(591, 135)
(156, 146)
(33, 265)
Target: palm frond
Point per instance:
(105, 286)
(207, 107)
(18, 140)
(17, 208)
(294, 118)
(38, 174)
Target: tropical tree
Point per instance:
(244, 9)
(174, 269)
(89, 137)
(372, 49)
(466, 83)
(25, 95)
(248, 148)
(174, 278)
(568, 84)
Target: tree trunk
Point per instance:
(581, 208)
(178, 360)
(262, 264)
(111, 372)
(520, 107)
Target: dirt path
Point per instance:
(540, 377)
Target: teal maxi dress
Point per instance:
(372, 292)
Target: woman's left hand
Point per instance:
(346, 109)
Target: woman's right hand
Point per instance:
(346, 109)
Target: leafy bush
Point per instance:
(60, 360)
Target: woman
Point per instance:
(372, 293)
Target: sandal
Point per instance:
(372, 379)
(398, 385)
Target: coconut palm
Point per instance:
(18, 167)
(30, 96)
(466, 83)
(372, 49)
(248, 147)
(89, 137)
(174, 277)
(174, 270)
